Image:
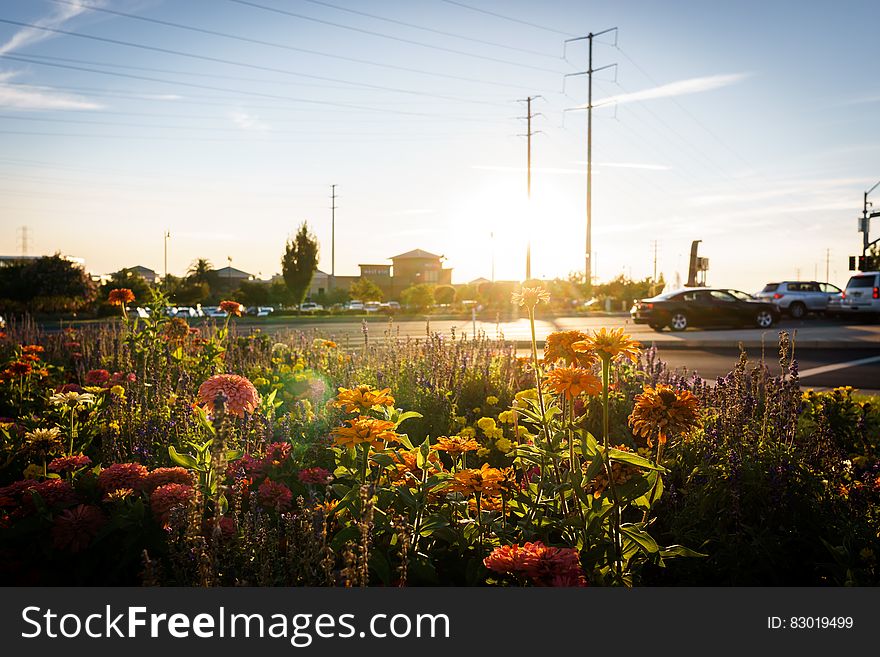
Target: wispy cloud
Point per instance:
(628, 165)
(29, 35)
(550, 170)
(679, 88)
(26, 97)
(247, 121)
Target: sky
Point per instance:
(752, 126)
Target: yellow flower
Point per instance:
(609, 344)
(492, 400)
(483, 452)
(467, 432)
(486, 423)
(503, 445)
(32, 471)
(531, 393)
(117, 390)
(663, 411)
(506, 417)
(530, 297)
(495, 433)
(460, 420)
(362, 398)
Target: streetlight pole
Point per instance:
(165, 280)
(866, 219)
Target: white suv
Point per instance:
(797, 298)
(862, 294)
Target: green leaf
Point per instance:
(633, 459)
(432, 523)
(405, 416)
(595, 466)
(642, 538)
(680, 551)
(184, 460)
(234, 454)
(422, 456)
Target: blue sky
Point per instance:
(749, 125)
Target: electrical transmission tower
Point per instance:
(528, 135)
(23, 239)
(588, 255)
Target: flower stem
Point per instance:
(609, 471)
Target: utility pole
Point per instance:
(654, 243)
(865, 223)
(23, 239)
(332, 237)
(528, 117)
(492, 239)
(588, 263)
(165, 237)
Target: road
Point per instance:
(830, 352)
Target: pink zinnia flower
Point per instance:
(241, 395)
(119, 378)
(274, 495)
(97, 377)
(162, 476)
(69, 387)
(168, 497)
(54, 492)
(314, 476)
(276, 454)
(74, 529)
(122, 475)
(69, 463)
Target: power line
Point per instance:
(390, 36)
(212, 88)
(431, 29)
(508, 18)
(220, 60)
(272, 44)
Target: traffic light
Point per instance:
(864, 263)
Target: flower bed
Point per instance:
(156, 453)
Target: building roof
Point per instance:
(373, 265)
(232, 272)
(140, 269)
(416, 253)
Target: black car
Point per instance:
(703, 307)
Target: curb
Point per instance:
(668, 345)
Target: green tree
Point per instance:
(444, 294)
(365, 290)
(253, 293)
(418, 297)
(299, 263)
(48, 284)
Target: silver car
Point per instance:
(797, 298)
(862, 295)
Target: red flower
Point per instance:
(97, 377)
(314, 476)
(73, 529)
(231, 308)
(120, 296)
(122, 475)
(69, 463)
(274, 495)
(119, 378)
(20, 368)
(162, 476)
(543, 565)
(276, 454)
(166, 498)
(69, 387)
(54, 493)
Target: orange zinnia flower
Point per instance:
(609, 344)
(572, 381)
(121, 296)
(486, 480)
(362, 398)
(231, 308)
(530, 297)
(558, 347)
(456, 445)
(365, 429)
(664, 411)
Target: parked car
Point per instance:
(862, 295)
(310, 307)
(797, 298)
(372, 306)
(680, 309)
(354, 305)
(389, 307)
(139, 313)
(214, 311)
(188, 311)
